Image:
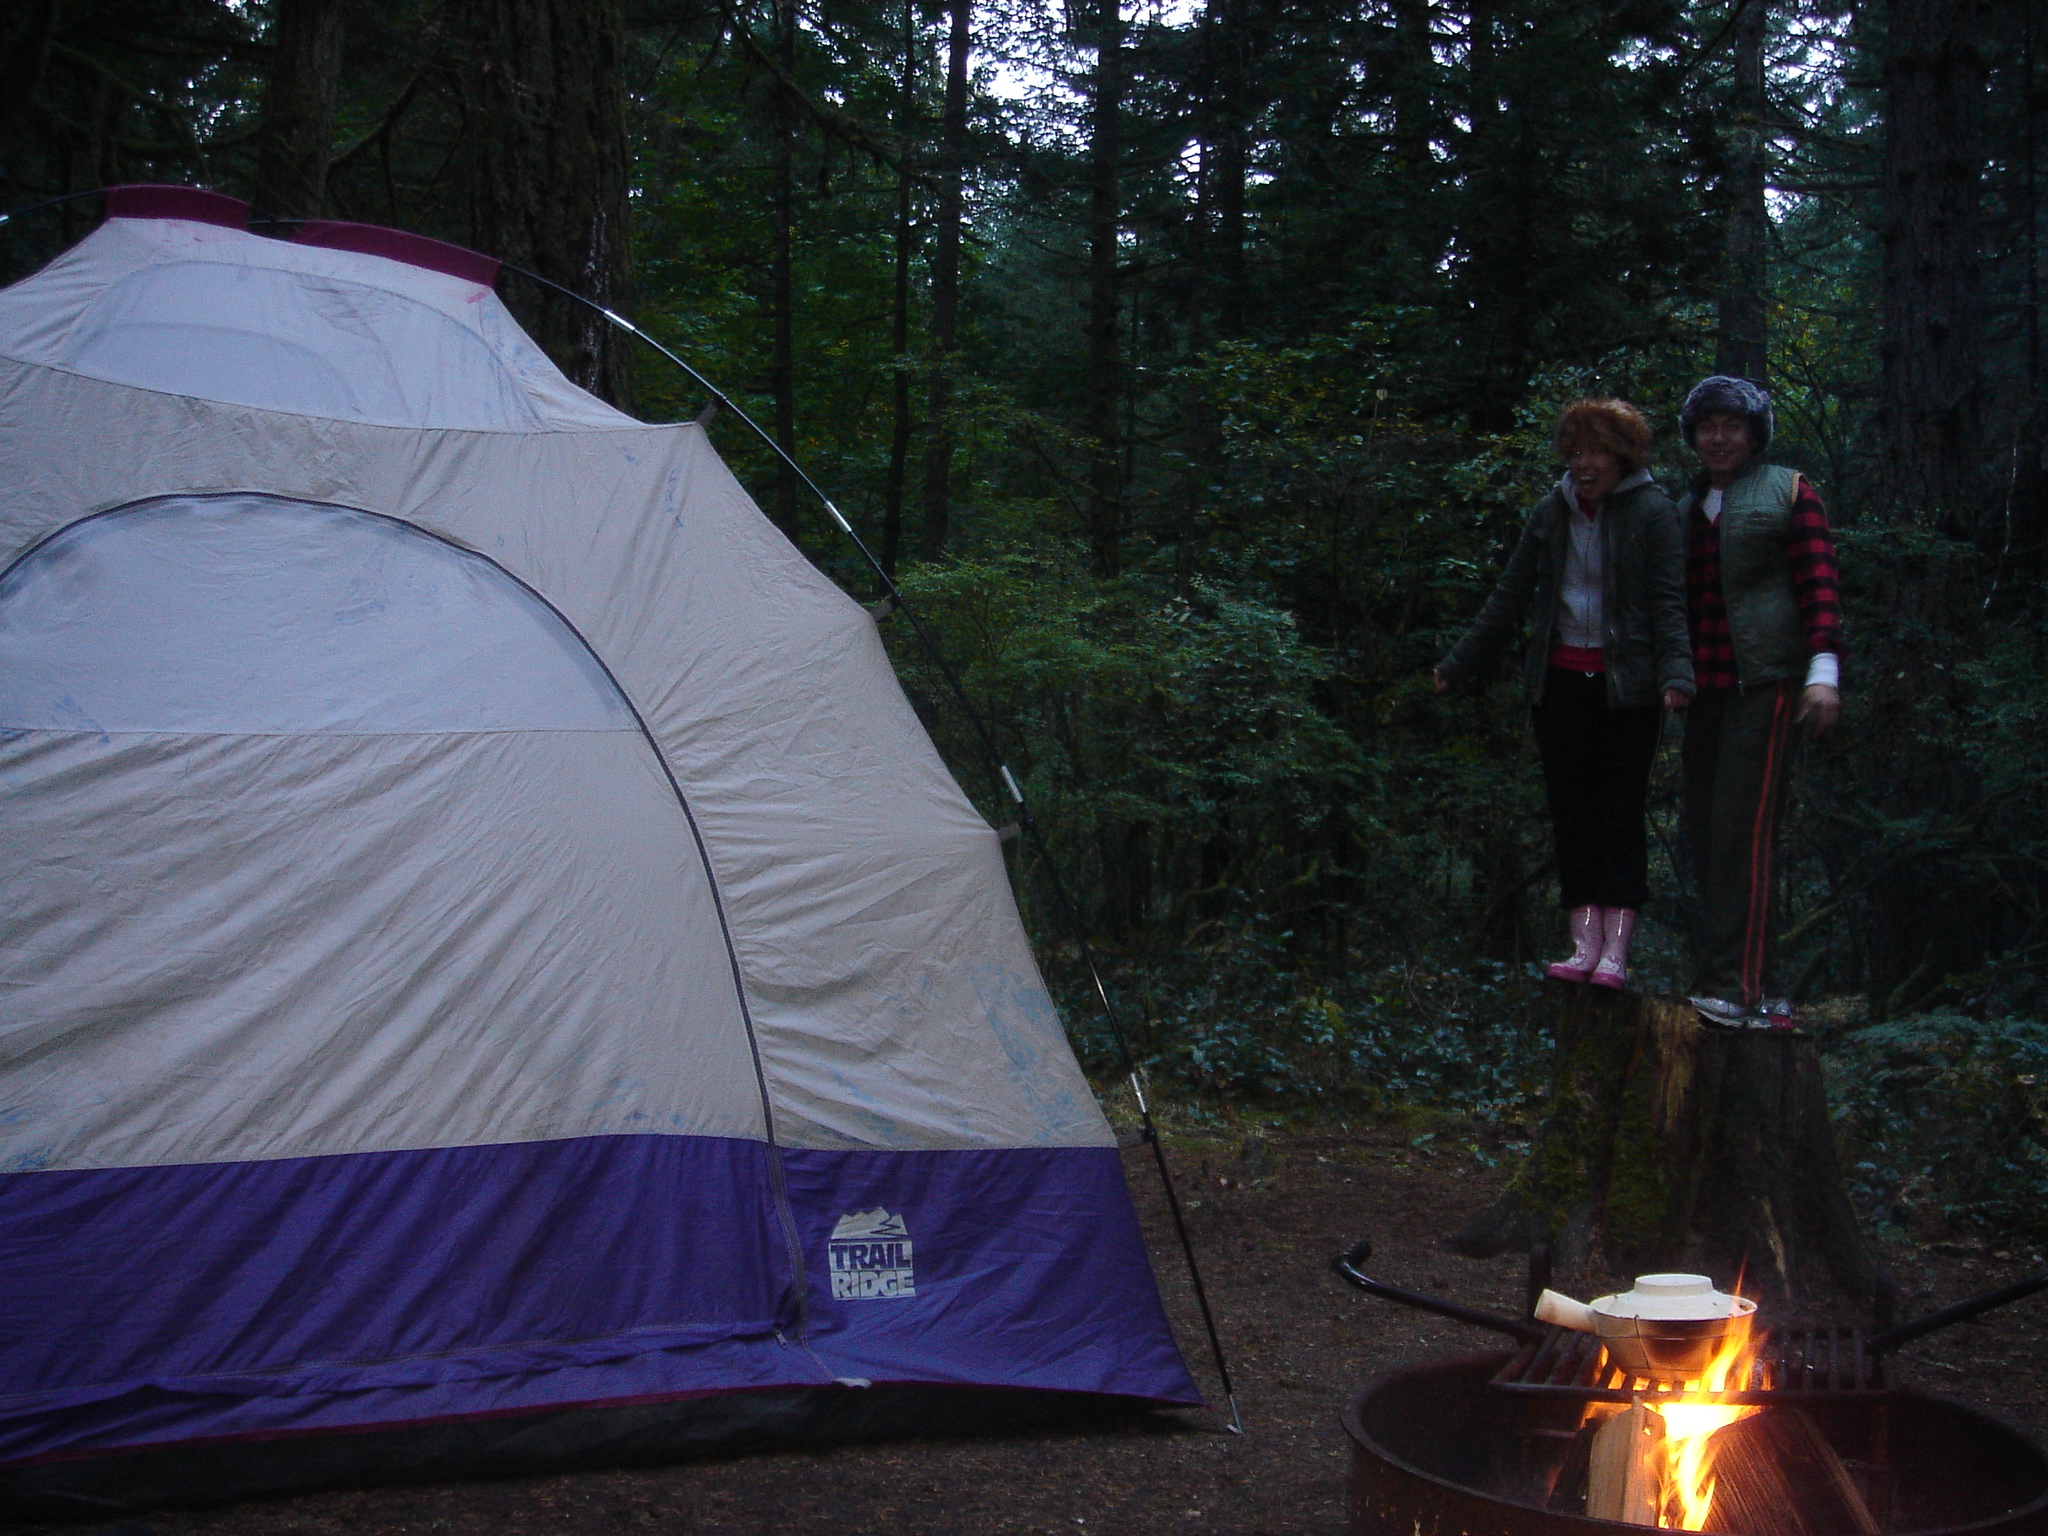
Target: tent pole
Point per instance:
(1029, 823)
(50, 202)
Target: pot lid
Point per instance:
(1673, 1298)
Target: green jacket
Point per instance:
(1642, 599)
(1756, 576)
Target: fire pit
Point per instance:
(1813, 1438)
(1438, 1450)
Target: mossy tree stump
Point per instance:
(1668, 1145)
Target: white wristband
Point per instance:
(1824, 670)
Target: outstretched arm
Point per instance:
(1502, 615)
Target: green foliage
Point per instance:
(1237, 738)
(1246, 1026)
(1917, 856)
(1149, 727)
(1946, 1120)
(104, 91)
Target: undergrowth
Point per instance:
(1470, 1040)
(1945, 1122)
(1943, 1118)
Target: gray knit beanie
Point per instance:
(1738, 397)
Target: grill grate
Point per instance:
(1792, 1365)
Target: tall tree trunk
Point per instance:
(1104, 385)
(1414, 98)
(1494, 209)
(1229, 42)
(296, 141)
(1231, 166)
(938, 459)
(547, 173)
(1198, 428)
(782, 264)
(22, 72)
(2027, 521)
(2033, 205)
(1197, 425)
(1932, 348)
(1742, 326)
(899, 312)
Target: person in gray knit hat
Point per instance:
(1725, 396)
(1763, 604)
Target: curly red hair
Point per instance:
(1614, 425)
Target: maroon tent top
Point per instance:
(167, 202)
(399, 245)
(145, 201)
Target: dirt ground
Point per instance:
(1266, 1215)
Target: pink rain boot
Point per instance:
(1585, 947)
(1617, 926)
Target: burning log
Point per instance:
(1776, 1475)
(1696, 1461)
(1671, 1439)
(1770, 1473)
(1625, 1465)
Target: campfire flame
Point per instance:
(1684, 1457)
(1689, 1425)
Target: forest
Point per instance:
(1192, 365)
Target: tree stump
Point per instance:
(1668, 1145)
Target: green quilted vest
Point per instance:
(1756, 573)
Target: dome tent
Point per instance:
(493, 963)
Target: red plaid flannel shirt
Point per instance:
(1816, 585)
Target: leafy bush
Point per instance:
(1248, 1028)
(1945, 1118)
(1168, 737)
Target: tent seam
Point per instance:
(539, 429)
(493, 730)
(681, 1337)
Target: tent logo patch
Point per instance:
(869, 1256)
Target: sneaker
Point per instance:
(1719, 1013)
(1775, 1013)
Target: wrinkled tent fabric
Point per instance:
(484, 931)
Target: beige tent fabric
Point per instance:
(199, 971)
(894, 998)
(221, 314)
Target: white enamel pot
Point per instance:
(1669, 1325)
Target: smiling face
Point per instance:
(1595, 470)
(1725, 442)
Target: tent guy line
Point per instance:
(894, 599)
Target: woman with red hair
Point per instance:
(1600, 571)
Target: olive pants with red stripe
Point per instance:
(1737, 754)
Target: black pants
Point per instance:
(1596, 770)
